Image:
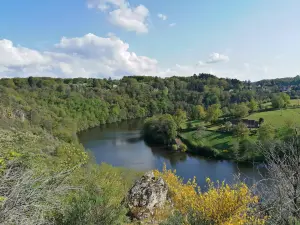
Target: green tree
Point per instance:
(198, 112)
(241, 110)
(160, 129)
(266, 132)
(277, 102)
(253, 106)
(95, 83)
(241, 130)
(286, 98)
(213, 113)
(31, 82)
(228, 126)
(8, 83)
(180, 118)
(34, 117)
(280, 101)
(225, 111)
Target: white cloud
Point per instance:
(104, 5)
(172, 24)
(217, 57)
(94, 56)
(66, 68)
(201, 63)
(18, 56)
(123, 15)
(131, 19)
(87, 56)
(162, 16)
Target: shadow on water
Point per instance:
(134, 139)
(121, 144)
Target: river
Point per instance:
(120, 144)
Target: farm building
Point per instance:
(248, 123)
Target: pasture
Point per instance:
(278, 118)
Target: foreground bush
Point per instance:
(221, 204)
(44, 180)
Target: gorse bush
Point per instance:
(221, 204)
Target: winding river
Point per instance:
(120, 144)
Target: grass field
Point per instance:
(278, 118)
(295, 101)
(216, 140)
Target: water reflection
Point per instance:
(120, 144)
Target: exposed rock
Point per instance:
(147, 194)
(20, 115)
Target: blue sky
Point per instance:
(249, 39)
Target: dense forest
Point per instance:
(65, 106)
(48, 178)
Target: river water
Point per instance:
(120, 144)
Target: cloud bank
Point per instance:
(121, 14)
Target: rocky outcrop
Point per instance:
(20, 115)
(147, 194)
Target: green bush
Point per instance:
(183, 148)
(91, 209)
(174, 147)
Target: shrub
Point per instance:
(175, 147)
(183, 148)
(89, 208)
(221, 204)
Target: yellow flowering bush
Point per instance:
(221, 204)
(182, 195)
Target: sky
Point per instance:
(247, 40)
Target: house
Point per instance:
(248, 123)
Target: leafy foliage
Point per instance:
(221, 204)
(266, 132)
(241, 130)
(46, 177)
(160, 129)
(281, 100)
(240, 110)
(213, 113)
(180, 118)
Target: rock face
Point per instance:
(147, 194)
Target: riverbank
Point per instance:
(119, 144)
(213, 142)
(218, 154)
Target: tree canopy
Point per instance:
(160, 129)
(213, 113)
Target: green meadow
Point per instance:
(278, 118)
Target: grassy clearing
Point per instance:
(217, 140)
(278, 118)
(196, 123)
